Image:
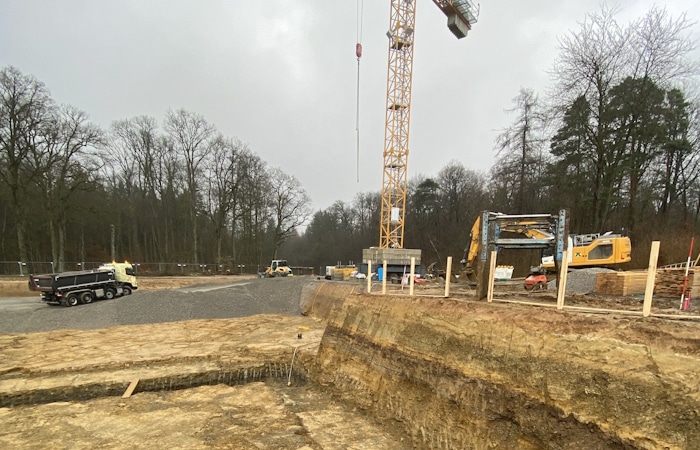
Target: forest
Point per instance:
(615, 140)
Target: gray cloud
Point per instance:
(281, 75)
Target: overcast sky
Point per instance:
(281, 75)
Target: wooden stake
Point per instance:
(651, 278)
(561, 292)
(384, 278)
(448, 275)
(492, 275)
(369, 276)
(411, 280)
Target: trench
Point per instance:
(275, 371)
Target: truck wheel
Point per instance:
(87, 297)
(126, 290)
(110, 294)
(71, 300)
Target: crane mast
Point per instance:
(460, 15)
(398, 118)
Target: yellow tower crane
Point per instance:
(461, 14)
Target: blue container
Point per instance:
(380, 273)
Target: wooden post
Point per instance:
(492, 275)
(651, 278)
(369, 276)
(413, 272)
(561, 289)
(448, 276)
(384, 278)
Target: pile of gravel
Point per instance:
(580, 281)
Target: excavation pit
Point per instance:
(370, 372)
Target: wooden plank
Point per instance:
(649, 291)
(130, 389)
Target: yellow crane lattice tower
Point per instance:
(461, 14)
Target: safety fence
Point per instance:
(21, 268)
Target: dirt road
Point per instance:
(206, 298)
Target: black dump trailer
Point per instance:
(71, 288)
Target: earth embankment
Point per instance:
(461, 374)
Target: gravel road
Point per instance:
(241, 299)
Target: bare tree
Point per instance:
(520, 156)
(63, 152)
(191, 134)
(661, 48)
(291, 206)
(144, 161)
(24, 106)
(592, 62)
(254, 209)
(224, 178)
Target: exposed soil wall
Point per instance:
(462, 375)
(323, 300)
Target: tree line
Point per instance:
(615, 139)
(152, 192)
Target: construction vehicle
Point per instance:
(124, 274)
(461, 15)
(278, 268)
(585, 250)
(84, 286)
(591, 250)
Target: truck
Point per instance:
(84, 286)
(124, 274)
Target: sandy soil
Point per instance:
(393, 373)
(228, 383)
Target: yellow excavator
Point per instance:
(585, 250)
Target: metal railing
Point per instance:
(22, 268)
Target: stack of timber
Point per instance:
(668, 282)
(621, 283)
